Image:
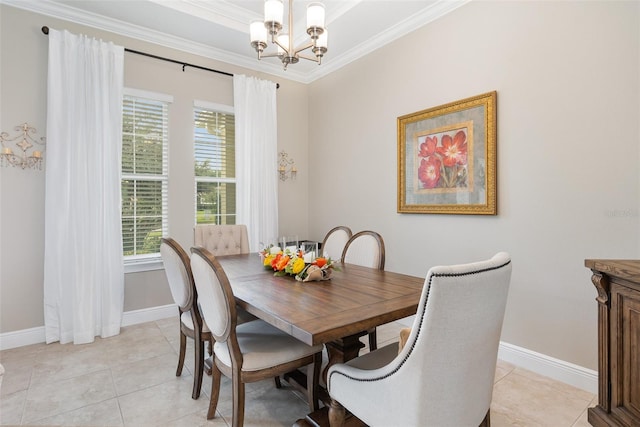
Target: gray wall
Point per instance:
(23, 74)
(567, 77)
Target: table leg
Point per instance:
(343, 350)
(339, 351)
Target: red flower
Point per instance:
(429, 172)
(454, 151)
(428, 147)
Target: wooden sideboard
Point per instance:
(618, 285)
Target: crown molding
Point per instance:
(416, 21)
(221, 12)
(229, 15)
(66, 13)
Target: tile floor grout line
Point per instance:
(116, 397)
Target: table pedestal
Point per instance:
(339, 351)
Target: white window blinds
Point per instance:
(144, 173)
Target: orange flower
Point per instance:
(281, 262)
(275, 260)
(320, 262)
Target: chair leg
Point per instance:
(487, 419)
(198, 368)
(373, 339)
(277, 381)
(313, 376)
(209, 360)
(215, 391)
(238, 400)
(336, 414)
(183, 349)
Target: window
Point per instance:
(144, 174)
(215, 164)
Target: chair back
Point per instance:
(444, 374)
(217, 303)
(335, 241)
(178, 271)
(455, 337)
(365, 248)
(450, 357)
(223, 239)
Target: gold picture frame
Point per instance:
(447, 158)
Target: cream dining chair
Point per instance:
(248, 352)
(222, 239)
(366, 248)
(444, 374)
(334, 242)
(178, 270)
(225, 239)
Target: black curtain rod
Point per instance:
(45, 30)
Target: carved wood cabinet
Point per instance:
(618, 285)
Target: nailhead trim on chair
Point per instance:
(419, 329)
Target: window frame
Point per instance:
(218, 108)
(148, 262)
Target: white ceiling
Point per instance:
(219, 29)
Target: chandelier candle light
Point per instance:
(272, 24)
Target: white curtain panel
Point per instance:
(256, 158)
(83, 262)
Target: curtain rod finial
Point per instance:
(45, 29)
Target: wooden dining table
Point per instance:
(335, 312)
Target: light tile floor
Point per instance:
(129, 380)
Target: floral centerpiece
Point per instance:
(305, 267)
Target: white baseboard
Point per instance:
(149, 314)
(21, 338)
(568, 373)
(559, 370)
(37, 335)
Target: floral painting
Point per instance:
(447, 158)
(443, 158)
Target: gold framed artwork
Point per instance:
(447, 158)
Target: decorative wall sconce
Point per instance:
(28, 158)
(284, 162)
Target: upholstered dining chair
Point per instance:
(444, 374)
(248, 352)
(222, 239)
(225, 239)
(178, 270)
(334, 242)
(366, 248)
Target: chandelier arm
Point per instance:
(286, 49)
(303, 48)
(309, 58)
(269, 55)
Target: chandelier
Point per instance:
(272, 26)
